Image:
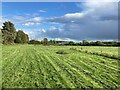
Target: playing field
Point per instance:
(29, 66)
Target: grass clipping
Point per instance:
(61, 52)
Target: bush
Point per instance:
(102, 62)
(73, 49)
(86, 51)
(61, 52)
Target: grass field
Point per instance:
(40, 66)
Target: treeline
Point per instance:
(99, 43)
(45, 41)
(11, 36)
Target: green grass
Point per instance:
(40, 66)
(101, 49)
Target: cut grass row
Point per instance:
(39, 66)
(105, 54)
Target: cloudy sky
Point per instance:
(90, 20)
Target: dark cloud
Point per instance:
(96, 23)
(110, 17)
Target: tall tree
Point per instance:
(45, 41)
(21, 37)
(8, 33)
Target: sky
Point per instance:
(90, 20)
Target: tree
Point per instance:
(85, 42)
(21, 37)
(71, 43)
(8, 33)
(54, 42)
(51, 42)
(34, 42)
(98, 43)
(0, 36)
(45, 41)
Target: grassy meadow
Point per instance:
(29, 66)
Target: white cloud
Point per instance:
(74, 15)
(28, 24)
(42, 30)
(37, 23)
(36, 34)
(25, 21)
(20, 18)
(32, 21)
(41, 11)
(35, 19)
(71, 15)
